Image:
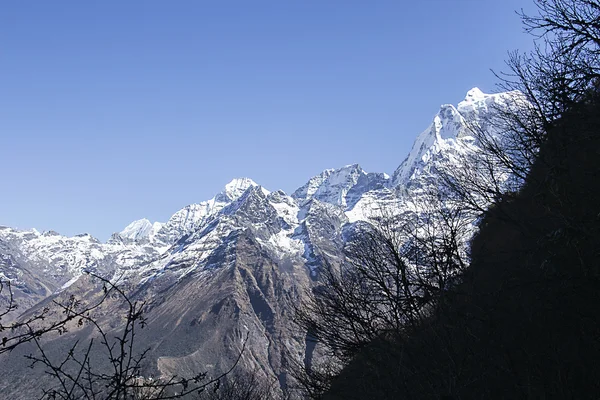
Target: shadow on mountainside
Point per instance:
(525, 321)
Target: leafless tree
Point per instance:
(110, 364)
(395, 272)
(562, 71)
(244, 386)
(396, 269)
(32, 327)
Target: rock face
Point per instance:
(40, 264)
(233, 265)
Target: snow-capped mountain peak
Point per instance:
(331, 185)
(141, 230)
(449, 132)
(475, 95)
(246, 251)
(193, 216)
(237, 187)
(341, 187)
(137, 229)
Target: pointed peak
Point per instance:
(351, 167)
(137, 229)
(243, 181)
(138, 224)
(254, 194)
(237, 187)
(475, 94)
(474, 99)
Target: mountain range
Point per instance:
(233, 266)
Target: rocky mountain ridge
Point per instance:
(231, 265)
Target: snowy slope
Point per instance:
(193, 216)
(246, 247)
(140, 231)
(342, 187)
(450, 134)
(357, 193)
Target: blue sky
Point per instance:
(117, 110)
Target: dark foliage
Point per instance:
(525, 320)
(395, 273)
(244, 386)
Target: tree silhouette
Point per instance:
(107, 366)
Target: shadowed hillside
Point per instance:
(525, 322)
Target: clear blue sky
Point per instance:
(112, 111)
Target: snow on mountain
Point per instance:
(193, 216)
(137, 229)
(247, 248)
(270, 217)
(237, 187)
(374, 204)
(141, 230)
(342, 187)
(444, 143)
(480, 103)
(61, 260)
(449, 134)
(444, 133)
(360, 195)
(39, 264)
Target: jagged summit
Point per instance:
(447, 134)
(237, 187)
(137, 229)
(476, 101)
(331, 185)
(350, 188)
(344, 187)
(194, 216)
(231, 264)
(475, 94)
